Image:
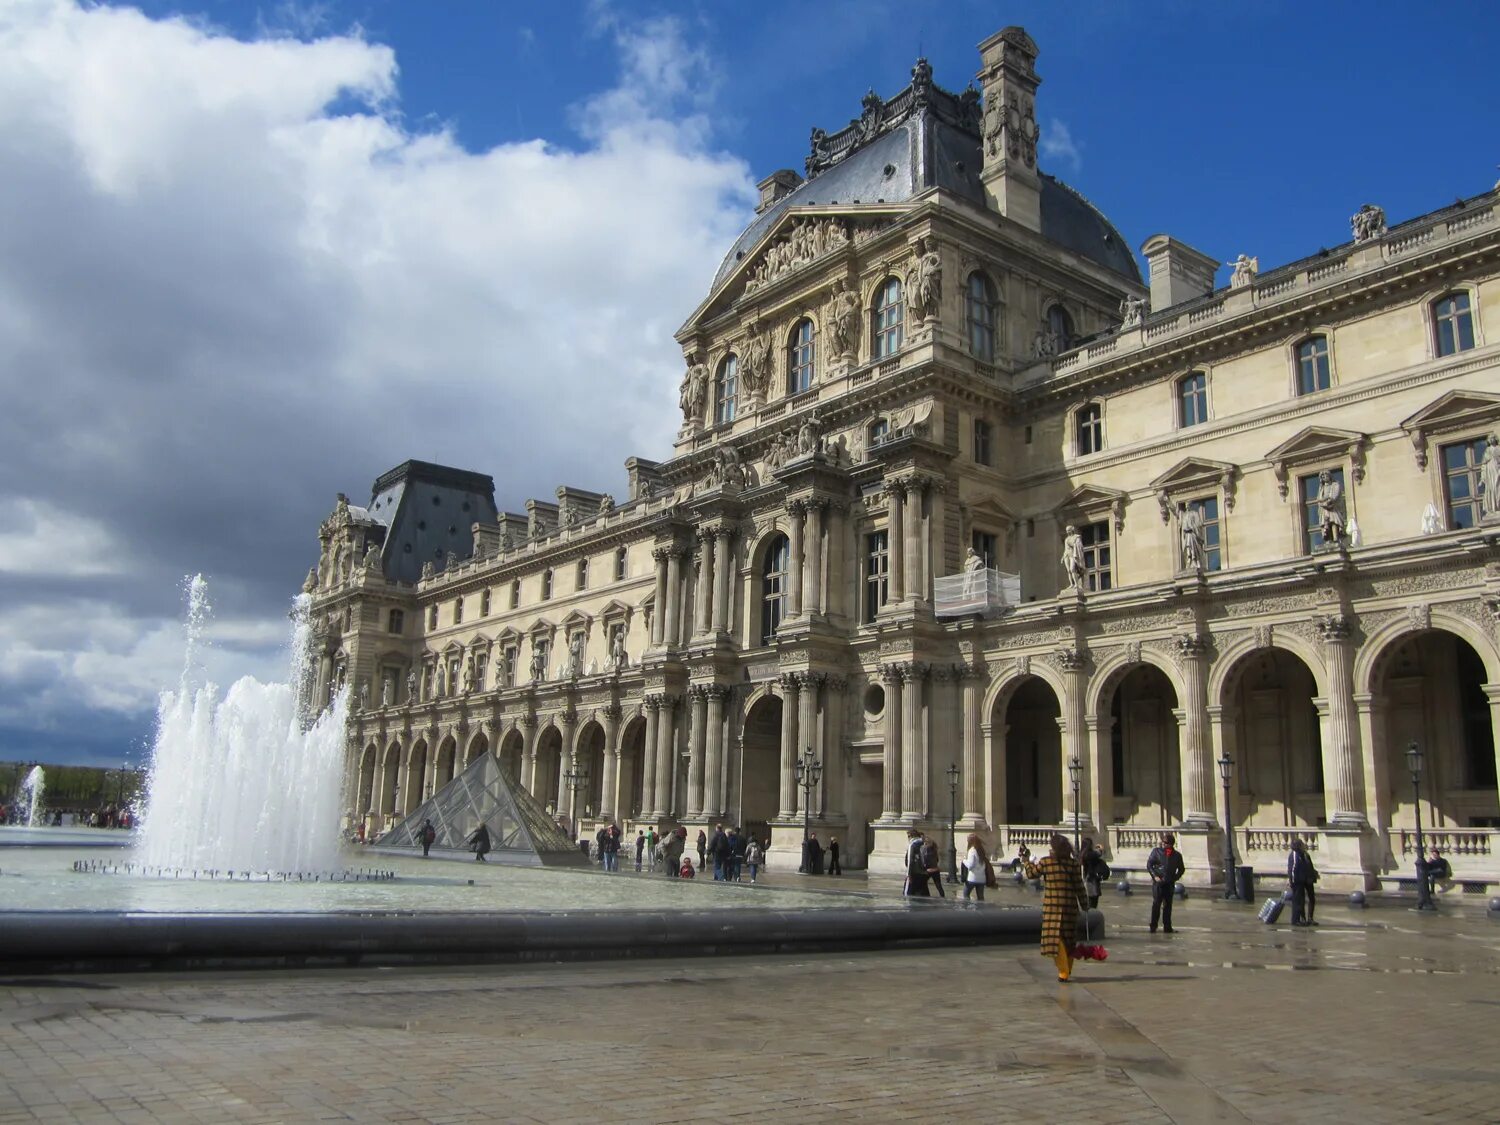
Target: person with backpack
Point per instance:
(916, 868)
(428, 835)
(753, 858)
(1095, 871)
(1165, 866)
(933, 865)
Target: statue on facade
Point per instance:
(1432, 522)
(1368, 222)
(1190, 536)
(781, 451)
(807, 439)
(538, 664)
(842, 317)
(694, 392)
(924, 282)
(468, 679)
(606, 504)
(575, 655)
(973, 568)
(618, 658)
(372, 558)
(1331, 510)
(755, 361)
(310, 583)
(411, 687)
(364, 695)
(1043, 344)
(428, 570)
(387, 691)
(1244, 270)
(1489, 479)
(1072, 557)
(1132, 311)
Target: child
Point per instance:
(687, 871)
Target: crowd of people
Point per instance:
(106, 816)
(731, 854)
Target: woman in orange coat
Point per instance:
(1062, 892)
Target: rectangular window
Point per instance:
(396, 622)
(512, 655)
(484, 604)
(583, 574)
(481, 666)
(1192, 399)
(1098, 573)
(1461, 482)
(1454, 324)
(1313, 373)
(877, 572)
(982, 434)
(458, 611)
(1090, 429)
(1307, 489)
(986, 547)
(620, 564)
(1208, 508)
(432, 618)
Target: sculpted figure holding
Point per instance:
(843, 319)
(538, 665)
(575, 655)
(387, 690)
(1190, 532)
(1132, 311)
(973, 566)
(411, 687)
(807, 439)
(1072, 557)
(755, 362)
(1245, 268)
(617, 655)
(924, 282)
(1489, 477)
(1331, 510)
(1368, 222)
(694, 392)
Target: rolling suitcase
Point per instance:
(1272, 910)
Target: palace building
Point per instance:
(968, 519)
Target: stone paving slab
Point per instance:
(1379, 1016)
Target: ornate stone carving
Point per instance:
(1135, 624)
(841, 320)
(924, 282)
(1333, 627)
(1023, 664)
(1067, 658)
(310, 583)
(1192, 646)
(429, 571)
(1489, 478)
(1132, 311)
(1072, 558)
(1245, 268)
(1190, 536)
(805, 242)
(755, 361)
(1421, 583)
(1368, 222)
(1331, 522)
(1420, 615)
(1263, 634)
(1133, 651)
(1257, 607)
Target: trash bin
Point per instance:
(1244, 882)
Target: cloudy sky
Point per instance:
(255, 254)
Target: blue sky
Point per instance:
(271, 250)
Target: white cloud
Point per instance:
(220, 302)
(1059, 148)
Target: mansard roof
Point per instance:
(926, 137)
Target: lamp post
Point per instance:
(576, 779)
(953, 775)
(1075, 771)
(1414, 764)
(808, 770)
(1226, 771)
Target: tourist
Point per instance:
(702, 849)
(916, 869)
(611, 847)
(737, 841)
(427, 835)
(753, 857)
(672, 849)
(931, 863)
(833, 856)
(651, 848)
(1299, 876)
(718, 847)
(1062, 894)
(1165, 867)
(977, 870)
(481, 842)
(686, 871)
(640, 848)
(1439, 870)
(1095, 871)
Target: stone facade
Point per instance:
(963, 355)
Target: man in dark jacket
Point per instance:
(718, 848)
(916, 870)
(1300, 874)
(738, 842)
(1165, 867)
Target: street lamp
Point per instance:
(1226, 771)
(576, 780)
(1075, 771)
(808, 770)
(953, 774)
(1414, 764)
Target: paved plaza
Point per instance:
(1377, 1015)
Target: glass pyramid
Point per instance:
(521, 832)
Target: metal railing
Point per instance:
(984, 592)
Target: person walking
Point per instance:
(1095, 871)
(1299, 876)
(977, 870)
(736, 840)
(651, 845)
(481, 843)
(916, 869)
(428, 835)
(932, 864)
(640, 848)
(718, 848)
(753, 857)
(833, 856)
(702, 849)
(1165, 867)
(612, 848)
(1062, 895)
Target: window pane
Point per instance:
(877, 573)
(1312, 535)
(773, 588)
(1461, 481)
(1208, 506)
(1097, 571)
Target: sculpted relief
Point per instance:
(806, 242)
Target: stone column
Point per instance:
(1198, 772)
(1340, 747)
(528, 754)
(797, 511)
(1075, 740)
(666, 742)
(813, 584)
(609, 797)
(895, 536)
(1101, 775)
(713, 760)
(973, 763)
(807, 725)
(697, 749)
(672, 622)
(831, 747)
(890, 770)
(648, 756)
(790, 701)
(659, 614)
(723, 580)
(915, 579)
(838, 573)
(704, 587)
(914, 752)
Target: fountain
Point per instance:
(32, 789)
(246, 782)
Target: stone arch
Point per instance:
(632, 777)
(549, 766)
(1113, 668)
(364, 799)
(1268, 699)
(588, 753)
(479, 746)
(1379, 641)
(1025, 748)
(1232, 654)
(1005, 684)
(760, 764)
(390, 780)
(415, 783)
(1136, 704)
(512, 749)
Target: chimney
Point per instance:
(1178, 272)
(1009, 80)
(777, 186)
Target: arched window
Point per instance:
(484, 604)
(1060, 327)
(799, 363)
(1192, 399)
(880, 429)
(583, 574)
(1090, 429)
(515, 594)
(773, 579)
(726, 390)
(981, 306)
(1453, 322)
(1313, 373)
(888, 318)
(619, 564)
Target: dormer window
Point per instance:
(799, 365)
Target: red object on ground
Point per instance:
(1090, 953)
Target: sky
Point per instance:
(252, 255)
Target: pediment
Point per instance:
(991, 509)
(1194, 474)
(508, 636)
(1316, 441)
(576, 620)
(615, 609)
(1456, 410)
(541, 627)
(1095, 498)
